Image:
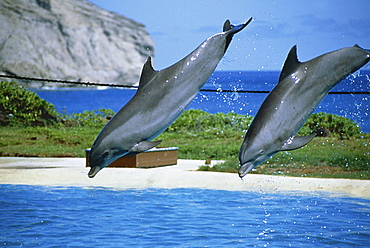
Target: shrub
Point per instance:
(195, 120)
(230, 166)
(335, 125)
(19, 106)
(95, 118)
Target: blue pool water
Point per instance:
(37, 216)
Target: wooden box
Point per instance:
(152, 158)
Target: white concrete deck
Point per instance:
(72, 172)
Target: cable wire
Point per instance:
(135, 87)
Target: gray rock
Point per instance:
(70, 40)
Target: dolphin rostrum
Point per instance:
(300, 89)
(161, 97)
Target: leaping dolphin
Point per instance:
(301, 88)
(161, 97)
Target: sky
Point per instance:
(315, 26)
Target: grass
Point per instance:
(204, 136)
(193, 146)
(322, 157)
(46, 141)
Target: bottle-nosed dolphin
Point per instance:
(301, 88)
(161, 97)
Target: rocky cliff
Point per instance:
(70, 40)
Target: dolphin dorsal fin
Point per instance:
(367, 50)
(227, 26)
(147, 73)
(291, 63)
(297, 142)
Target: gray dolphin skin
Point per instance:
(300, 90)
(160, 99)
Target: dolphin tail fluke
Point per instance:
(227, 26)
(235, 28)
(297, 142)
(144, 145)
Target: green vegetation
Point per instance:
(201, 135)
(330, 125)
(343, 153)
(23, 107)
(35, 129)
(93, 119)
(322, 157)
(46, 141)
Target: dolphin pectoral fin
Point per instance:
(144, 145)
(297, 142)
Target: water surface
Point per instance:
(353, 106)
(37, 216)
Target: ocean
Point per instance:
(39, 216)
(353, 106)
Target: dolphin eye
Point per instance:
(258, 155)
(106, 153)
